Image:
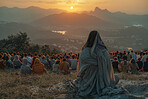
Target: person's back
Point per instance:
(25, 69)
(68, 60)
(95, 70)
(139, 63)
(17, 63)
(115, 64)
(134, 67)
(52, 61)
(2, 63)
(12, 57)
(133, 55)
(124, 66)
(73, 63)
(146, 65)
(45, 62)
(55, 67)
(8, 62)
(49, 62)
(29, 59)
(39, 57)
(38, 67)
(111, 56)
(129, 56)
(145, 55)
(64, 67)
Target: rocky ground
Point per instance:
(132, 90)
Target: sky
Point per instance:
(127, 6)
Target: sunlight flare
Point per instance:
(71, 7)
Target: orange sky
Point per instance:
(128, 6)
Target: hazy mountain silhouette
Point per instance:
(74, 20)
(104, 17)
(25, 14)
(120, 17)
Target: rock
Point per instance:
(137, 88)
(64, 86)
(34, 90)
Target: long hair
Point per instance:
(91, 39)
(33, 61)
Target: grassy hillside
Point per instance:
(14, 85)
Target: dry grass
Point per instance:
(14, 85)
(139, 77)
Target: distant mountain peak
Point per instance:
(33, 7)
(97, 9)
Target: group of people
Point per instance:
(130, 61)
(39, 64)
(95, 71)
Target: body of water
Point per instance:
(61, 32)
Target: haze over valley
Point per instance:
(69, 30)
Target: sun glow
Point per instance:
(71, 7)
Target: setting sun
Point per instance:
(71, 7)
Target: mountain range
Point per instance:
(118, 27)
(120, 17)
(25, 15)
(97, 17)
(73, 20)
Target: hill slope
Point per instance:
(25, 14)
(74, 20)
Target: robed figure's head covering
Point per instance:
(94, 41)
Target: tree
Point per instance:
(45, 49)
(34, 48)
(21, 43)
(17, 43)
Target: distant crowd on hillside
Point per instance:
(127, 61)
(130, 61)
(39, 63)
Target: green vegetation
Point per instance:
(21, 43)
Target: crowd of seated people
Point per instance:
(126, 61)
(39, 63)
(130, 61)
